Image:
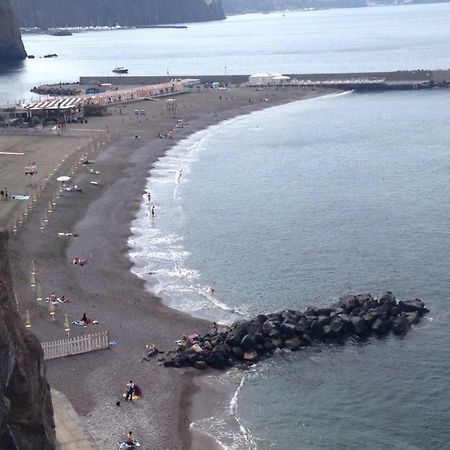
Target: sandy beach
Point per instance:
(104, 288)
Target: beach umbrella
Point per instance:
(63, 178)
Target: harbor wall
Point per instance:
(407, 76)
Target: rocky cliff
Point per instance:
(67, 13)
(11, 46)
(26, 412)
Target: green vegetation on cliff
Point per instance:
(128, 13)
(11, 46)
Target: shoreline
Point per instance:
(109, 292)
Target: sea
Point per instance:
(296, 205)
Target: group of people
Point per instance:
(55, 299)
(152, 209)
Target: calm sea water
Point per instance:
(362, 39)
(294, 206)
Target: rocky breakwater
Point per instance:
(26, 412)
(247, 341)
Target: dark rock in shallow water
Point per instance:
(293, 343)
(317, 329)
(246, 341)
(288, 329)
(381, 327)
(401, 324)
(200, 365)
(415, 305)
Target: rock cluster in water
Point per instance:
(247, 341)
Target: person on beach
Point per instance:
(149, 197)
(153, 211)
(130, 439)
(130, 390)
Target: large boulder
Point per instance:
(415, 305)
(381, 326)
(386, 297)
(248, 342)
(360, 326)
(288, 329)
(303, 325)
(250, 356)
(293, 343)
(401, 324)
(316, 329)
(349, 302)
(217, 360)
(268, 326)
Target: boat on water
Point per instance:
(120, 70)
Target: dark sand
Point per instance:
(105, 288)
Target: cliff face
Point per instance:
(67, 13)
(26, 412)
(11, 46)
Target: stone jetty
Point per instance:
(247, 341)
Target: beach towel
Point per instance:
(20, 197)
(79, 323)
(123, 444)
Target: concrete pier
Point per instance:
(399, 80)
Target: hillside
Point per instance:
(128, 13)
(11, 46)
(247, 6)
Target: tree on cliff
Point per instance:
(83, 13)
(11, 46)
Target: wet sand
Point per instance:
(104, 288)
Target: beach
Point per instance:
(122, 148)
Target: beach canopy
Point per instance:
(63, 178)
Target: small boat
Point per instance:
(120, 70)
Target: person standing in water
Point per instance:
(149, 197)
(153, 211)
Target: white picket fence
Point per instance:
(75, 345)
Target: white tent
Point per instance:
(280, 79)
(259, 79)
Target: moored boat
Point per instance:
(120, 70)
